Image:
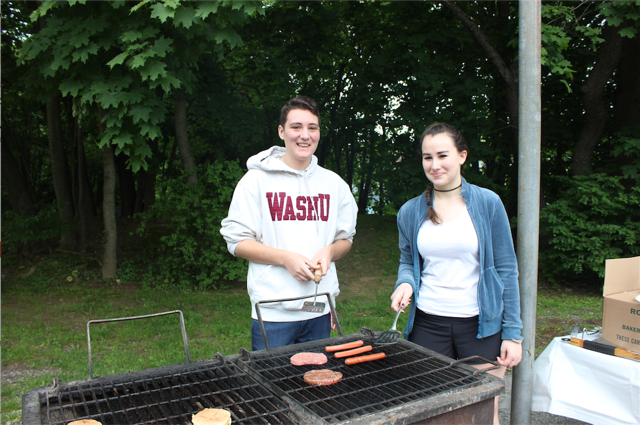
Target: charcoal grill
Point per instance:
(164, 395)
(411, 385)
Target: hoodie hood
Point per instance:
(269, 160)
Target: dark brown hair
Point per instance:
(460, 144)
(299, 102)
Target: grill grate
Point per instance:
(169, 398)
(405, 375)
(411, 384)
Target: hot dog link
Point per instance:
(350, 353)
(347, 346)
(367, 358)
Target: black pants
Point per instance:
(454, 337)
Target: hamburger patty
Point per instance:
(322, 377)
(302, 359)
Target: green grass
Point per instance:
(47, 302)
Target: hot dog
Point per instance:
(350, 353)
(367, 358)
(347, 346)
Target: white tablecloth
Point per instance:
(586, 385)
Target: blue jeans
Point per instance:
(280, 334)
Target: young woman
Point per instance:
(458, 263)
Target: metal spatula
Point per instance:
(314, 307)
(392, 335)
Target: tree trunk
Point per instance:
(510, 81)
(61, 182)
(626, 110)
(82, 184)
(15, 184)
(146, 191)
(109, 259)
(127, 185)
(141, 179)
(595, 111)
(182, 138)
(365, 181)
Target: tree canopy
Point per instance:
(166, 89)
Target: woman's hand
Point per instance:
(510, 353)
(401, 297)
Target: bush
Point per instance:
(18, 230)
(595, 219)
(194, 254)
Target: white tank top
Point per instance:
(451, 269)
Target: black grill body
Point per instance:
(411, 385)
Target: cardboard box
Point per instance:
(621, 312)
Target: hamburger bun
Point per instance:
(212, 417)
(85, 422)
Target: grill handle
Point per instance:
(478, 371)
(120, 319)
(264, 333)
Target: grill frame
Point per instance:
(422, 408)
(248, 365)
(217, 372)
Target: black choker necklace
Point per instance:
(448, 190)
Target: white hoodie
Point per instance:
(299, 211)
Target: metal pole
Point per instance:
(528, 200)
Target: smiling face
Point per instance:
(442, 161)
(301, 133)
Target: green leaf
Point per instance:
(174, 4)
(185, 16)
(118, 59)
(161, 12)
(139, 113)
(122, 140)
(143, 150)
(163, 45)
(71, 87)
(137, 61)
(614, 20)
(83, 54)
(152, 70)
(169, 81)
(139, 5)
(59, 62)
(229, 35)
(149, 130)
(206, 8)
(107, 99)
(130, 36)
(628, 32)
(116, 4)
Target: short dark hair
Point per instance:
(454, 133)
(299, 102)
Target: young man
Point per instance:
(290, 217)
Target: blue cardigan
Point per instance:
(498, 291)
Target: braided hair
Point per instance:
(460, 144)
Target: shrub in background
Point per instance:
(596, 219)
(193, 254)
(19, 231)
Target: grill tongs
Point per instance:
(314, 307)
